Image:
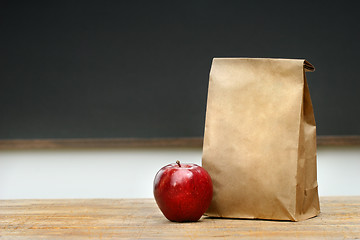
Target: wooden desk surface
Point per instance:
(141, 219)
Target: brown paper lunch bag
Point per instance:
(260, 139)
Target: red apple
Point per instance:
(183, 192)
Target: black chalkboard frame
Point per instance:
(194, 142)
(48, 22)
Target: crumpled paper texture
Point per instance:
(260, 139)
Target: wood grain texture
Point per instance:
(99, 143)
(142, 142)
(338, 140)
(141, 219)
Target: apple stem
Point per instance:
(178, 163)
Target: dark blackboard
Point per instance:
(139, 69)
